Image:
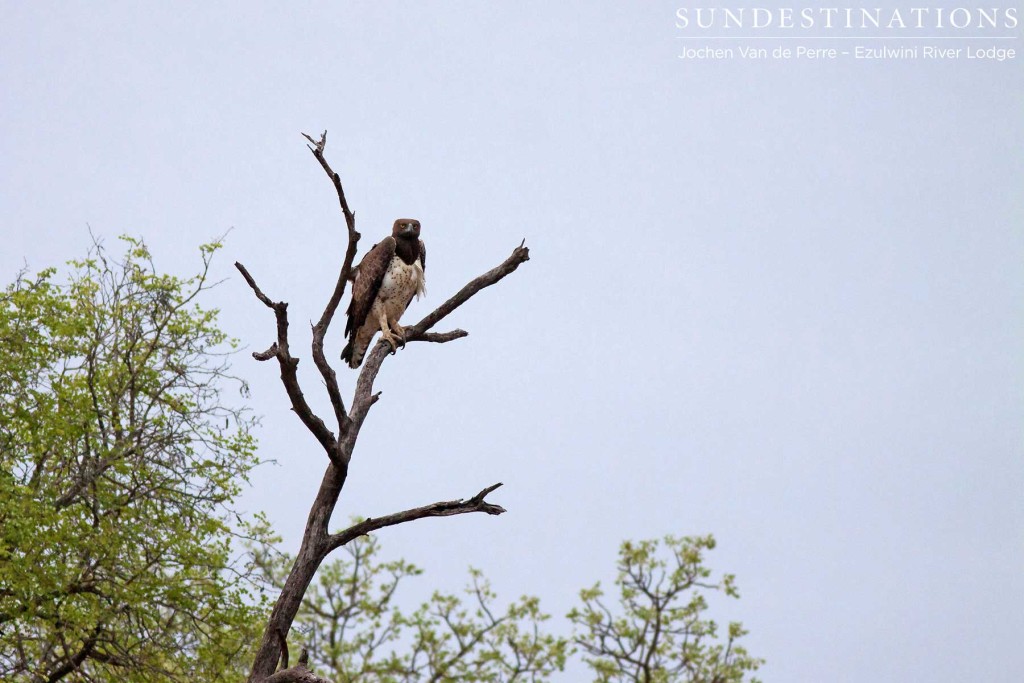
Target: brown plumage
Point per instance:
(385, 282)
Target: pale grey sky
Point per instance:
(780, 302)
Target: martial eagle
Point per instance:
(386, 280)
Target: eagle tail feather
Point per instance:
(346, 355)
(353, 353)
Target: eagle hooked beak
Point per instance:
(408, 229)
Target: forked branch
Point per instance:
(363, 398)
(520, 255)
(289, 376)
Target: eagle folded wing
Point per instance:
(369, 277)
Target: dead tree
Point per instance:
(339, 443)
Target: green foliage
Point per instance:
(659, 631)
(119, 460)
(355, 631)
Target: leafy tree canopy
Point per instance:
(656, 631)
(119, 459)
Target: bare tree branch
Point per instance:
(296, 674)
(442, 337)
(317, 542)
(289, 375)
(441, 509)
(519, 256)
(284, 649)
(320, 329)
(363, 398)
(299, 673)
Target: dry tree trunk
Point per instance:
(317, 540)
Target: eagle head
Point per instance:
(406, 228)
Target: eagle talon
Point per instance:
(399, 331)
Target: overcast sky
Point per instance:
(780, 302)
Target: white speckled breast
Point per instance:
(401, 282)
